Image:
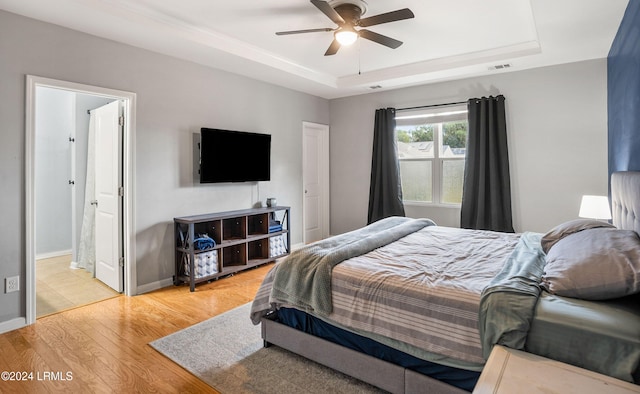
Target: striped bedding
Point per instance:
(419, 294)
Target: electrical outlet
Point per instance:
(12, 284)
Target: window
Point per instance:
(431, 150)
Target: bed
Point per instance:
(409, 306)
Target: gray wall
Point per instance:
(174, 99)
(557, 136)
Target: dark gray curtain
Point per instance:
(486, 195)
(385, 191)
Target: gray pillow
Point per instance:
(568, 228)
(594, 264)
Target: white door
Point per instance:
(108, 140)
(315, 179)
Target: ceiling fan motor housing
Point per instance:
(349, 9)
(350, 13)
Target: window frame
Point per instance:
(436, 117)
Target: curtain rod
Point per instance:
(431, 106)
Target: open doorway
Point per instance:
(65, 201)
(55, 212)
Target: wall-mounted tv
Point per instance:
(234, 156)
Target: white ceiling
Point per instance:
(447, 39)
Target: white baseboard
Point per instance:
(53, 254)
(154, 286)
(12, 324)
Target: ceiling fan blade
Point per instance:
(328, 11)
(284, 33)
(379, 38)
(333, 48)
(392, 16)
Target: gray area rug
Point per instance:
(226, 352)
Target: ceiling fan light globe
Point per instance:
(346, 37)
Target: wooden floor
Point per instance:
(103, 347)
(60, 288)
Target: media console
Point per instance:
(242, 239)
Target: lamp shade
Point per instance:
(346, 36)
(595, 207)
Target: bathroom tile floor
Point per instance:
(60, 288)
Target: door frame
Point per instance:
(128, 175)
(324, 175)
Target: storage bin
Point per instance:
(206, 264)
(277, 246)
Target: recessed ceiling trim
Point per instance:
(170, 25)
(440, 64)
(175, 26)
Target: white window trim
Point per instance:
(437, 117)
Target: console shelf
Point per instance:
(243, 239)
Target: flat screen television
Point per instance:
(234, 156)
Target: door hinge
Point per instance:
(121, 261)
(121, 120)
(121, 191)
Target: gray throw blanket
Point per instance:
(508, 302)
(310, 288)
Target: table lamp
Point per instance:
(595, 207)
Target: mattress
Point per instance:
(422, 290)
(419, 294)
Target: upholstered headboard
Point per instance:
(625, 200)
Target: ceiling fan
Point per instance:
(347, 14)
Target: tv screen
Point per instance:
(234, 156)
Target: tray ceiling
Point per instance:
(447, 39)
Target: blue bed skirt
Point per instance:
(302, 321)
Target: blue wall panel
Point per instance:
(623, 81)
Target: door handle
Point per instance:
(94, 202)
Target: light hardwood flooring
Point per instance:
(104, 347)
(59, 287)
